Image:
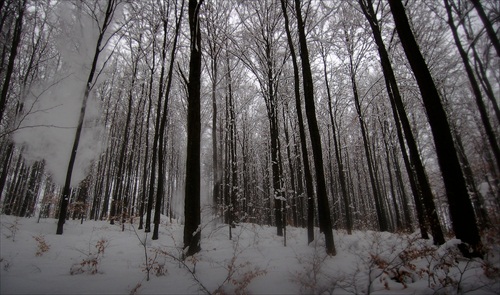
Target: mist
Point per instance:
(52, 107)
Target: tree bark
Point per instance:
(381, 216)
(5, 167)
(192, 230)
(12, 58)
(461, 210)
(487, 25)
(66, 190)
(490, 134)
(302, 134)
(323, 204)
(422, 192)
(338, 156)
(161, 164)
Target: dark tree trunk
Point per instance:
(302, 134)
(490, 134)
(323, 204)
(100, 170)
(214, 51)
(66, 190)
(488, 26)
(338, 155)
(481, 213)
(232, 188)
(192, 230)
(272, 114)
(33, 185)
(215, 158)
(107, 167)
(117, 195)
(401, 186)
(12, 57)
(5, 167)
(461, 210)
(227, 171)
(392, 186)
(145, 173)
(418, 179)
(379, 206)
(300, 184)
(17, 187)
(110, 171)
(293, 197)
(161, 164)
(156, 137)
(134, 163)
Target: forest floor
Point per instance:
(98, 258)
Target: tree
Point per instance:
(422, 192)
(336, 147)
(490, 134)
(161, 164)
(351, 41)
(21, 7)
(101, 43)
(214, 19)
(461, 210)
(264, 61)
(192, 219)
(487, 24)
(323, 204)
(302, 134)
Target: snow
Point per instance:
(254, 262)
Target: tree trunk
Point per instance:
(293, 197)
(66, 190)
(381, 216)
(117, 195)
(192, 230)
(404, 198)
(161, 164)
(156, 137)
(12, 58)
(145, 173)
(422, 192)
(338, 156)
(490, 134)
(302, 134)
(488, 26)
(461, 210)
(5, 167)
(323, 204)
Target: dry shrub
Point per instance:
(42, 245)
(90, 264)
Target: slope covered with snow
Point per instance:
(98, 258)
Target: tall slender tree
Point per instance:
(161, 165)
(490, 134)
(488, 25)
(192, 219)
(16, 39)
(419, 182)
(323, 204)
(336, 147)
(461, 210)
(303, 141)
(101, 43)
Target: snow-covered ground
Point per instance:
(98, 258)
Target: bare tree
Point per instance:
(461, 210)
(323, 204)
(101, 44)
(192, 226)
